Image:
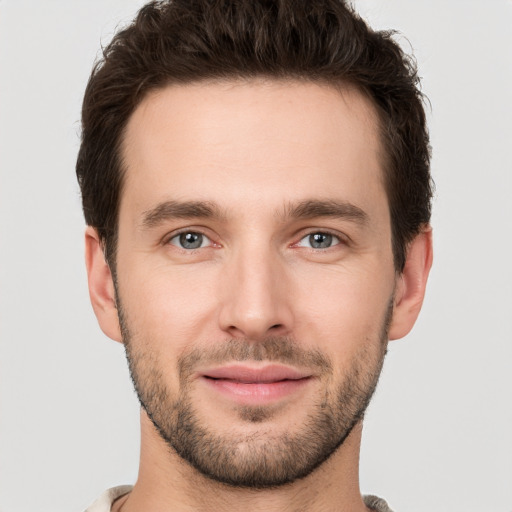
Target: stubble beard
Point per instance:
(262, 459)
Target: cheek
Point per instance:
(345, 310)
(168, 306)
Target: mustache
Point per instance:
(275, 349)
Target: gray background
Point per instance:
(438, 436)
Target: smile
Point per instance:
(255, 386)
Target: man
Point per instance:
(255, 180)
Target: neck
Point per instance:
(166, 482)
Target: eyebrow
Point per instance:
(169, 210)
(308, 209)
(313, 208)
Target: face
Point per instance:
(254, 275)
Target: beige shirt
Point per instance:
(104, 502)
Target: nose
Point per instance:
(255, 297)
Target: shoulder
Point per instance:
(376, 504)
(104, 502)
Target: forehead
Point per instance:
(232, 142)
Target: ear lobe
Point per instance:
(411, 285)
(101, 286)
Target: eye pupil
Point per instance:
(191, 240)
(320, 240)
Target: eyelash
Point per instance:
(168, 240)
(341, 240)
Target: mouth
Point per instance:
(255, 385)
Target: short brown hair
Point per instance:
(186, 41)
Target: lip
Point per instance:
(251, 375)
(255, 385)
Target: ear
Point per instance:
(101, 286)
(411, 284)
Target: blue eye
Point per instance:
(319, 240)
(190, 240)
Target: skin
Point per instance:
(255, 150)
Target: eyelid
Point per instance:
(341, 237)
(166, 240)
